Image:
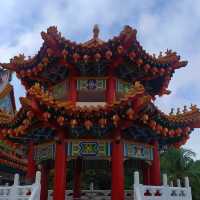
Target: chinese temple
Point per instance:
(15, 163)
(89, 103)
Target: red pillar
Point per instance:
(111, 90)
(155, 167)
(44, 182)
(60, 169)
(31, 168)
(117, 171)
(72, 90)
(146, 175)
(77, 179)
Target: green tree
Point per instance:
(178, 163)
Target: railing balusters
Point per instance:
(17, 192)
(140, 192)
(164, 192)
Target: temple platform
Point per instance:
(139, 192)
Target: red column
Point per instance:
(31, 168)
(77, 179)
(146, 175)
(155, 167)
(72, 90)
(60, 169)
(111, 89)
(44, 182)
(117, 171)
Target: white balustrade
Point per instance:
(18, 192)
(92, 194)
(164, 192)
(139, 192)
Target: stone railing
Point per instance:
(92, 194)
(164, 192)
(19, 192)
(140, 192)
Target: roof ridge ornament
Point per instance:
(185, 110)
(95, 41)
(96, 31)
(172, 111)
(178, 112)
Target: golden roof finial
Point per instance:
(96, 31)
(95, 41)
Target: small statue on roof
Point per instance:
(172, 111)
(178, 112)
(168, 52)
(160, 54)
(193, 107)
(20, 59)
(185, 109)
(127, 36)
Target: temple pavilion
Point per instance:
(90, 102)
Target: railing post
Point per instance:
(91, 187)
(171, 184)
(136, 186)
(13, 191)
(187, 185)
(16, 179)
(37, 185)
(178, 182)
(165, 180)
(166, 189)
(136, 178)
(38, 177)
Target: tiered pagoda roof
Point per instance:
(122, 57)
(9, 157)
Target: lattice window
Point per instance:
(60, 90)
(122, 88)
(91, 84)
(91, 90)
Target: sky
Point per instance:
(172, 24)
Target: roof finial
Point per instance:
(96, 31)
(172, 111)
(178, 111)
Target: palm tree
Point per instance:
(178, 163)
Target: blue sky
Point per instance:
(172, 24)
